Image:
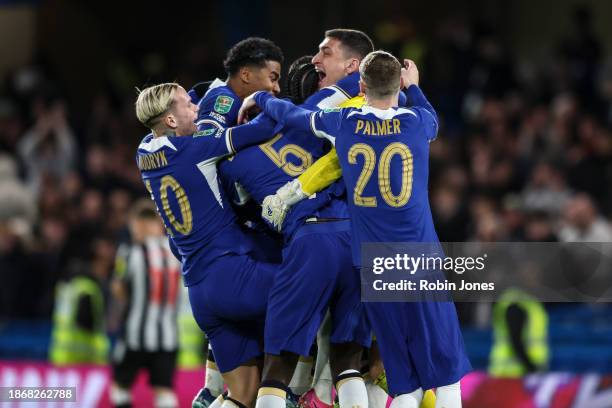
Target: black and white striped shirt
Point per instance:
(152, 275)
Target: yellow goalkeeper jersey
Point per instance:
(327, 169)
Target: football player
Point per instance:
(316, 232)
(228, 290)
(253, 64)
(420, 342)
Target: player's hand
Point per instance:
(410, 74)
(274, 211)
(247, 105)
(275, 207)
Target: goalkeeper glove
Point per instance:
(275, 207)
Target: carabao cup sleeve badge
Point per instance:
(223, 104)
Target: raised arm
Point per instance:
(416, 100)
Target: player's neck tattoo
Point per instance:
(168, 132)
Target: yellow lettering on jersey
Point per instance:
(373, 124)
(152, 161)
(379, 127)
(162, 159)
(359, 126)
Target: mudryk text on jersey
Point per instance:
(152, 161)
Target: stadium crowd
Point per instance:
(524, 153)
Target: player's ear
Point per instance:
(170, 121)
(353, 66)
(245, 75)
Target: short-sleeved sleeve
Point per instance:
(218, 110)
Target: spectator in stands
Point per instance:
(450, 214)
(147, 278)
(582, 222)
(538, 228)
(49, 146)
(546, 191)
(16, 201)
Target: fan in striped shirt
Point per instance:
(145, 292)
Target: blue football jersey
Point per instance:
(333, 96)
(263, 169)
(180, 173)
(218, 108)
(384, 155)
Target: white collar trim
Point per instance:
(383, 113)
(156, 143)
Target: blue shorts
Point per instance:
(229, 305)
(317, 273)
(420, 344)
(265, 246)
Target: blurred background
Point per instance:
(523, 90)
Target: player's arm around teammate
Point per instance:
(327, 169)
(176, 154)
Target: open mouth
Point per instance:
(322, 76)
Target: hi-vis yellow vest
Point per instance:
(71, 344)
(503, 360)
(191, 338)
